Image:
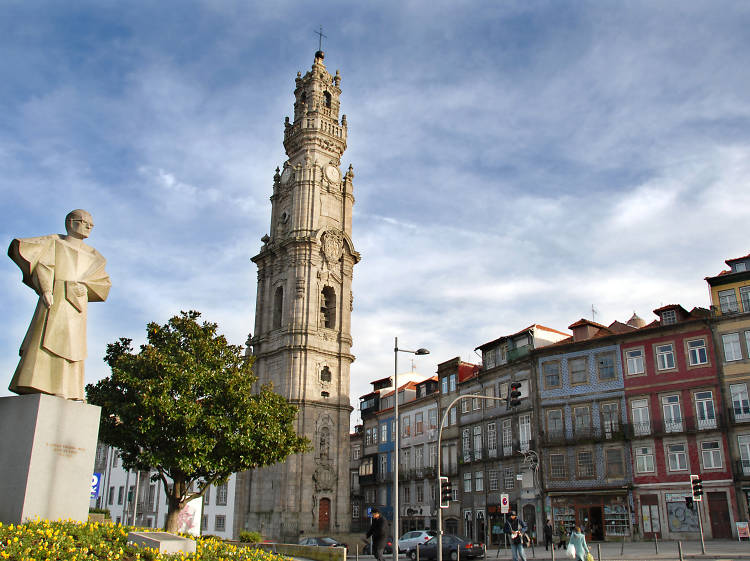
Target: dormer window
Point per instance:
(668, 317)
(739, 267)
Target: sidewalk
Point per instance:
(718, 550)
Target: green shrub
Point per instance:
(103, 511)
(250, 537)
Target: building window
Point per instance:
(634, 359)
(406, 494)
(325, 374)
(578, 370)
(641, 418)
(466, 443)
(467, 482)
(585, 464)
(704, 410)
(366, 467)
(582, 419)
(557, 467)
(605, 363)
(479, 481)
(465, 405)
(492, 440)
(524, 432)
(711, 453)
(356, 452)
(328, 307)
(444, 384)
(384, 464)
(677, 457)
(476, 403)
(207, 495)
(509, 480)
(383, 433)
(743, 442)
(697, 353)
(672, 413)
(665, 357)
(668, 317)
(406, 426)
(728, 301)
(452, 382)
(432, 418)
(555, 428)
(220, 523)
(644, 459)
(420, 492)
(221, 494)
(492, 475)
(740, 401)
(433, 455)
(111, 498)
(551, 372)
(120, 494)
(418, 457)
(732, 350)
(745, 298)
(507, 438)
(615, 462)
(278, 306)
(355, 511)
(418, 423)
(478, 442)
(610, 418)
(452, 416)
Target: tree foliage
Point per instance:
(185, 406)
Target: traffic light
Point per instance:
(514, 395)
(446, 492)
(689, 502)
(697, 484)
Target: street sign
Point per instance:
(95, 481)
(504, 504)
(369, 512)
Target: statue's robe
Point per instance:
(54, 349)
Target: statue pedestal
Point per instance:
(47, 452)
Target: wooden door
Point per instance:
(650, 522)
(324, 515)
(718, 512)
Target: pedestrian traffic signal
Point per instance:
(689, 502)
(446, 492)
(514, 395)
(697, 484)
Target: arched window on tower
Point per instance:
(328, 307)
(325, 374)
(278, 306)
(327, 97)
(303, 97)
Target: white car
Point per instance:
(410, 539)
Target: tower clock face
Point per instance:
(286, 175)
(332, 174)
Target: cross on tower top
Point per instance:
(320, 38)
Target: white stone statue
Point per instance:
(67, 274)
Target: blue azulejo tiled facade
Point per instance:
(587, 469)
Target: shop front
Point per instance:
(601, 516)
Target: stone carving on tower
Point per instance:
(302, 340)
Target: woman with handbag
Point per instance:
(578, 543)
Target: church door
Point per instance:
(324, 515)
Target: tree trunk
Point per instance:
(173, 518)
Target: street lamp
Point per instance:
(396, 350)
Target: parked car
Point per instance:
(322, 542)
(451, 545)
(388, 548)
(410, 539)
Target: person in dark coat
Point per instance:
(379, 533)
(516, 528)
(547, 534)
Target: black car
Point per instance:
(451, 547)
(388, 548)
(322, 542)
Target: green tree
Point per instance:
(185, 406)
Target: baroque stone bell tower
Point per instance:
(303, 310)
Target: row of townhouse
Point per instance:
(132, 498)
(612, 422)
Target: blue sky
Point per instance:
(515, 162)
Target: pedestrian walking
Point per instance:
(562, 536)
(379, 532)
(578, 540)
(548, 534)
(516, 528)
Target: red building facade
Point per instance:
(677, 426)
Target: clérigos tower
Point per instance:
(302, 340)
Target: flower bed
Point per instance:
(43, 540)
